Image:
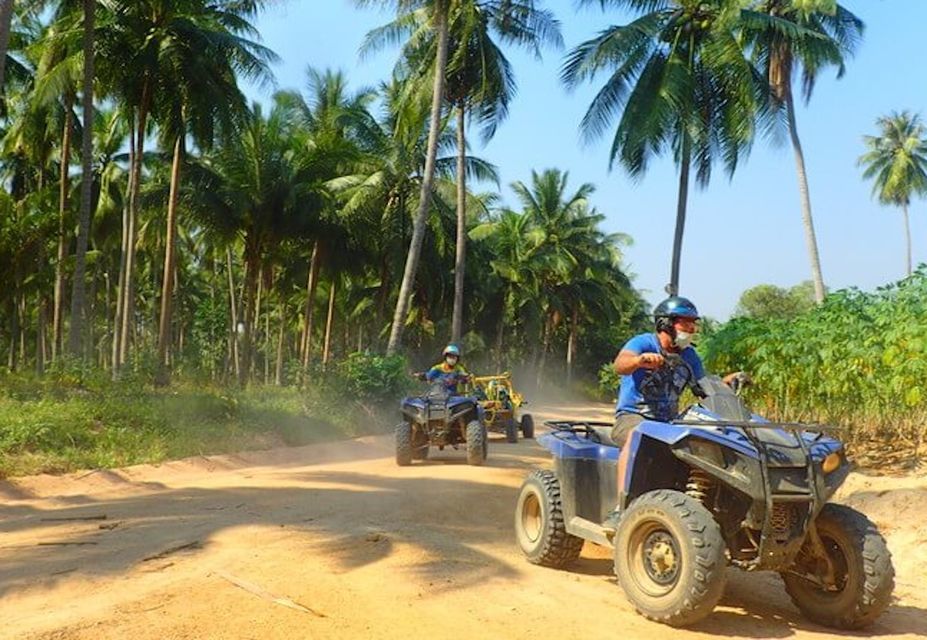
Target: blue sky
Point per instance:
(739, 232)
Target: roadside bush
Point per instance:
(858, 360)
(51, 424)
(608, 381)
(367, 376)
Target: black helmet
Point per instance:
(672, 308)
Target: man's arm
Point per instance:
(627, 361)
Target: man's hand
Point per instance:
(738, 380)
(650, 361)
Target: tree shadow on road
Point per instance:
(355, 519)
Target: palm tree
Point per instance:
(680, 81)
(554, 265)
(335, 124)
(480, 82)
(56, 82)
(141, 47)
(786, 35)
(6, 21)
(78, 286)
(512, 243)
(382, 193)
(260, 188)
(896, 161)
(205, 48)
(434, 13)
(564, 231)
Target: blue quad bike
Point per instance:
(719, 486)
(440, 419)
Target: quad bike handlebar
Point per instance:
(422, 376)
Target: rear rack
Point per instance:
(576, 425)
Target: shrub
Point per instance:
(858, 360)
(608, 381)
(367, 376)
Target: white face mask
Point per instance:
(451, 361)
(683, 339)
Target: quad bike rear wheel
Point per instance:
(670, 557)
(511, 430)
(404, 444)
(539, 527)
(477, 445)
(527, 426)
(863, 572)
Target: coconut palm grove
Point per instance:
(189, 270)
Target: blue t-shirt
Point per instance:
(450, 376)
(655, 393)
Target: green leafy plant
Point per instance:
(371, 376)
(858, 360)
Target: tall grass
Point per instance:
(70, 420)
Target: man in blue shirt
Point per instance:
(657, 367)
(449, 371)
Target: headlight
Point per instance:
(832, 462)
(707, 451)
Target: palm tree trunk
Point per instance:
(252, 260)
(22, 329)
(267, 340)
(500, 335)
(328, 322)
(281, 343)
(306, 342)
(40, 336)
(62, 226)
(233, 333)
(120, 293)
(571, 344)
(14, 325)
(78, 287)
(545, 346)
(460, 262)
(681, 204)
(419, 224)
(907, 236)
(128, 308)
(106, 310)
(807, 221)
(167, 280)
(258, 300)
(6, 21)
(88, 339)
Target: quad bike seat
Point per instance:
(603, 435)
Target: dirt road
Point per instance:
(335, 541)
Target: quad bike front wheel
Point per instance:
(539, 527)
(670, 557)
(404, 444)
(420, 451)
(527, 426)
(863, 572)
(477, 443)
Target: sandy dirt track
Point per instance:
(336, 541)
